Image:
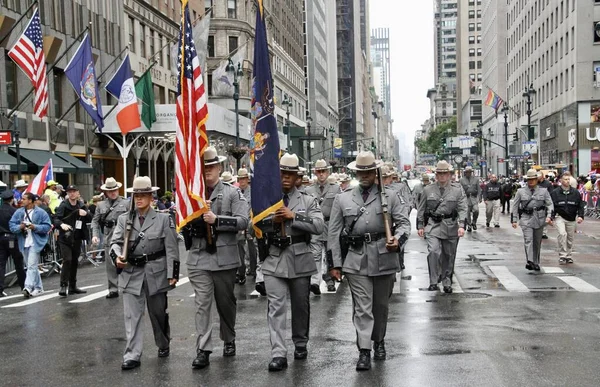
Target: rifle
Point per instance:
(126, 234)
(384, 207)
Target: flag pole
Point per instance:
(17, 22)
(14, 110)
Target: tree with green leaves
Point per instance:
(434, 142)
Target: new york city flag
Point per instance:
(264, 145)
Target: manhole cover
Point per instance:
(472, 295)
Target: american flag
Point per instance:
(191, 139)
(28, 54)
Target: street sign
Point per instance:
(517, 157)
(465, 142)
(500, 160)
(529, 146)
(337, 148)
(5, 138)
(527, 154)
(4, 167)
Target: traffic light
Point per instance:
(444, 144)
(515, 137)
(373, 146)
(530, 133)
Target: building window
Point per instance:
(58, 110)
(478, 26)
(471, 14)
(211, 46)
(11, 83)
(233, 44)
(471, 65)
(151, 39)
(471, 27)
(142, 40)
(471, 52)
(232, 9)
(131, 35)
(208, 4)
(479, 64)
(479, 52)
(471, 40)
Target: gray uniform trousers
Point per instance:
(317, 248)
(370, 295)
(133, 310)
(111, 270)
(533, 243)
(472, 213)
(213, 287)
(277, 290)
(440, 260)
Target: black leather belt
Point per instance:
(438, 218)
(109, 224)
(326, 218)
(282, 243)
(532, 210)
(368, 237)
(141, 260)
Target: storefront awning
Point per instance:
(38, 158)
(80, 165)
(9, 163)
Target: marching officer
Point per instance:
(71, 219)
(441, 216)
(246, 242)
(534, 206)
(8, 242)
(345, 182)
(103, 223)
(470, 185)
(371, 262)
(290, 264)
(214, 258)
(324, 192)
(149, 265)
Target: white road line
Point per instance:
(255, 293)
(19, 295)
(91, 297)
(41, 298)
(552, 270)
(182, 281)
(508, 280)
(456, 288)
(579, 284)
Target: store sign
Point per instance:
(5, 138)
(4, 167)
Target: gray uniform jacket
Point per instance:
(404, 190)
(296, 260)
(158, 234)
(370, 259)
(472, 189)
(541, 204)
(231, 208)
(453, 199)
(400, 192)
(247, 195)
(120, 206)
(325, 200)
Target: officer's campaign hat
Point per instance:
(211, 157)
(321, 165)
(365, 161)
(343, 178)
(227, 177)
(242, 173)
(302, 171)
(110, 184)
(468, 168)
(386, 171)
(531, 174)
(142, 184)
(443, 166)
(289, 162)
(425, 177)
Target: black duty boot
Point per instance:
(63, 290)
(474, 226)
(201, 360)
(364, 360)
(229, 348)
(379, 350)
(73, 289)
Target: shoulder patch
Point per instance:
(171, 222)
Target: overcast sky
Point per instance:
(411, 43)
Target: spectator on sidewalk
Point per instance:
(8, 242)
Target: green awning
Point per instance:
(9, 163)
(39, 158)
(80, 165)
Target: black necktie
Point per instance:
(322, 188)
(365, 195)
(442, 189)
(286, 200)
(532, 191)
(209, 192)
(142, 217)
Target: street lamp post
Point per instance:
(481, 145)
(505, 111)
(287, 102)
(308, 150)
(236, 97)
(529, 91)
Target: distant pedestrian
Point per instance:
(534, 207)
(568, 212)
(8, 242)
(491, 197)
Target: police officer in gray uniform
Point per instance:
(324, 192)
(470, 185)
(534, 206)
(441, 216)
(149, 265)
(103, 224)
(212, 266)
(289, 264)
(371, 262)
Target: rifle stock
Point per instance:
(384, 207)
(128, 227)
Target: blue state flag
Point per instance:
(264, 145)
(81, 73)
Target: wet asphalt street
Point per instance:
(503, 326)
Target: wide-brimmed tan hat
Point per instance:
(365, 161)
(343, 178)
(332, 178)
(468, 168)
(302, 171)
(289, 162)
(443, 166)
(211, 157)
(110, 184)
(305, 179)
(227, 177)
(531, 174)
(142, 184)
(321, 165)
(386, 171)
(242, 173)
(425, 177)
(22, 184)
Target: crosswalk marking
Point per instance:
(19, 295)
(44, 297)
(91, 297)
(508, 280)
(579, 284)
(552, 270)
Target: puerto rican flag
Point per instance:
(38, 185)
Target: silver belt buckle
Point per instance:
(368, 237)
